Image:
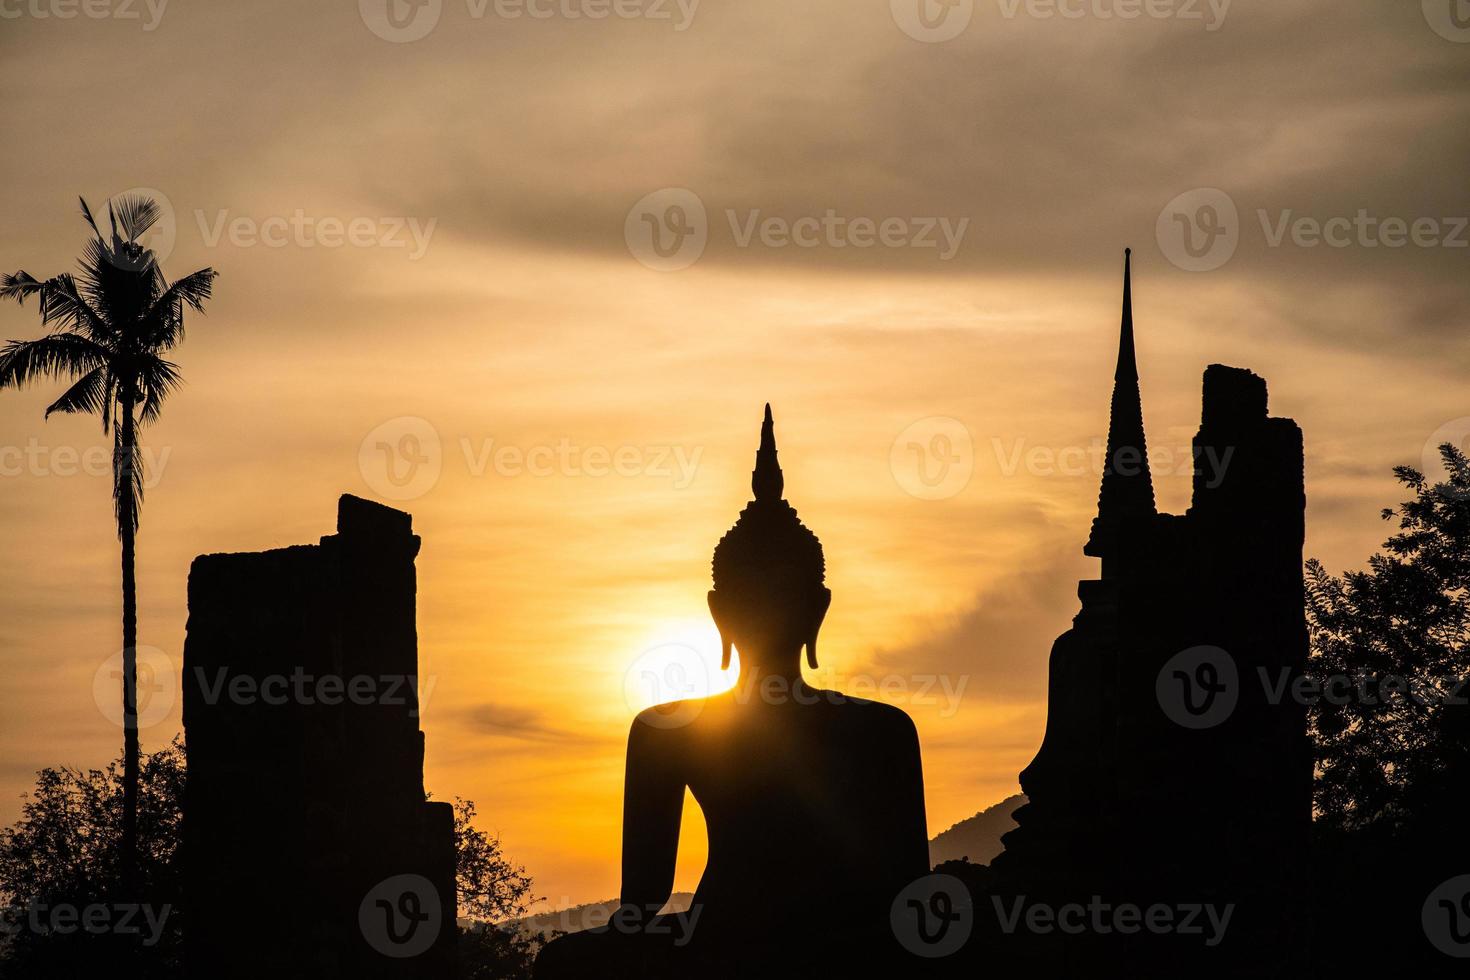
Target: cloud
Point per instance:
(1057, 139)
(1000, 642)
(515, 722)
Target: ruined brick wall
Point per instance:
(1217, 808)
(309, 848)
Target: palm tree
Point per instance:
(111, 324)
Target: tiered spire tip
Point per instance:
(1127, 369)
(1127, 490)
(766, 480)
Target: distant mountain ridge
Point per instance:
(977, 839)
(588, 916)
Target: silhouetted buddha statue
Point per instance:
(814, 800)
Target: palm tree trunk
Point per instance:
(129, 855)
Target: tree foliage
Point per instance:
(492, 892)
(63, 855)
(491, 889)
(1399, 633)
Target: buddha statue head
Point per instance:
(769, 599)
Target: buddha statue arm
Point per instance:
(653, 802)
(910, 852)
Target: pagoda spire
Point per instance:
(1127, 486)
(1127, 369)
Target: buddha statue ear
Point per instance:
(824, 600)
(725, 642)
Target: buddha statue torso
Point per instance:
(813, 802)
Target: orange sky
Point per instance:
(525, 332)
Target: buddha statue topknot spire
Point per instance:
(766, 480)
(769, 553)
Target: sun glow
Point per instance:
(678, 661)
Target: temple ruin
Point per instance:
(1172, 769)
(309, 847)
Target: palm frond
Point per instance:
(54, 356)
(87, 213)
(164, 326)
(136, 263)
(158, 378)
(89, 270)
(193, 289)
(90, 394)
(61, 303)
(127, 481)
(19, 285)
(136, 213)
(66, 309)
(110, 402)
